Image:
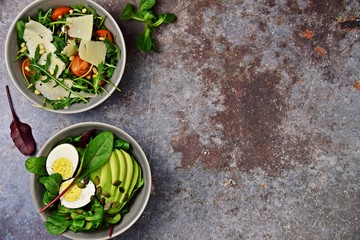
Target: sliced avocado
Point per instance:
(122, 173)
(114, 162)
(123, 168)
(133, 183)
(125, 182)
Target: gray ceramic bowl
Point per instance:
(140, 199)
(14, 68)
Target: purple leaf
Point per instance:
(20, 132)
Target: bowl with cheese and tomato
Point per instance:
(65, 56)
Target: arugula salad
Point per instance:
(88, 180)
(67, 55)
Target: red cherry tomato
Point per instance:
(60, 11)
(79, 67)
(104, 33)
(26, 67)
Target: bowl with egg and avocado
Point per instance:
(89, 181)
(65, 56)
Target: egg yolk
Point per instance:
(73, 194)
(64, 167)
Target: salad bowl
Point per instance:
(137, 203)
(15, 67)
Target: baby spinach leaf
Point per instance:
(151, 20)
(36, 165)
(146, 4)
(52, 183)
(113, 219)
(56, 223)
(98, 214)
(128, 12)
(121, 144)
(145, 42)
(96, 154)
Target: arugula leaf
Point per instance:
(20, 28)
(98, 78)
(44, 17)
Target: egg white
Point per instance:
(67, 151)
(84, 197)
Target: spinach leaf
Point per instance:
(96, 154)
(57, 223)
(121, 144)
(145, 42)
(98, 214)
(128, 12)
(52, 183)
(146, 4)
(77, 225)
(48, 197)
(36, 165)
(113, 219)
(151, 20)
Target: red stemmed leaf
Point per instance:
(20, 132)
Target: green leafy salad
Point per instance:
(67, 55)
(88, 182)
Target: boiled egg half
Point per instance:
(76, 197)
(63, 159)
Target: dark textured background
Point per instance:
(251, 126)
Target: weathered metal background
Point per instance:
(249, 116)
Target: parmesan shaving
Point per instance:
(70, 49)
(93, 52)
(80, 27)
(34, 34)
(52, 91)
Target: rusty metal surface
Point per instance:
(249, 116)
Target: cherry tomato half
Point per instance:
(79, 67)
(104, 33)
(60, 12)
(26, 67)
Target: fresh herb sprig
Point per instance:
(152, 21)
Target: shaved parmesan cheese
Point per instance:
(50, 90)
(70, 49)
(80, 27)
(55, 61)
(34, 34)
(93, 52)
